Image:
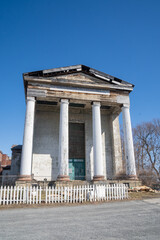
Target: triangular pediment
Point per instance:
(80, 76)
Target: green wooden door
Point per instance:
(77, 169)
(71, 169)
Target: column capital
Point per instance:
(96, 104)
(31, 99)
(62, 100)
(126, 105)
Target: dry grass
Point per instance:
(143, 195)
(132, 196)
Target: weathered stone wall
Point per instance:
(46, 141)
(117, 149)
(45, 145)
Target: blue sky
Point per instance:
(119, 37)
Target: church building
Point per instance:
(72, 126)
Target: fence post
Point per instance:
(46, 194)
(10, 195)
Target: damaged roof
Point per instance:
(77, 69)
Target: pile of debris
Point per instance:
(142, 189)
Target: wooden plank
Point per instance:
(11, 190)
(40, 195)
(7, 195)
(36, 93)
(30, 196)
(79, 96)
(46, 195)
(4, 195)
(1, 195)
(62, 69)
(70, 82)
(50, 87)
(85, 97)
(14, 195)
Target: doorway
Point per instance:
(76, 151)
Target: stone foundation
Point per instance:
(43, 184)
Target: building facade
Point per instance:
(72, 126)
(5, 162)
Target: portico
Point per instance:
(72, 126)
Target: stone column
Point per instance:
(97, 142)
(128, 140)
(63, 141)
(26, 158)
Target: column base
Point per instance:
(25, 178)
(132, 177)
(63, 178)
(98, 178)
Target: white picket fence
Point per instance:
(20, 195)
(81, 194)
(78, 194)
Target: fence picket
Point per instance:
(46, 194)
(67, 194)
(4, 195)
(73, 194)
(62, 195)
(10, 202)
(56, 195)
(40, 191)
(49, 196)
(52, 194)
(30, 195)
(1, 192)
(37, 195)
(7, 195)
(27, 195)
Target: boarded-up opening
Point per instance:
(76, 151)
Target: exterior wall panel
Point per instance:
(46, 140)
